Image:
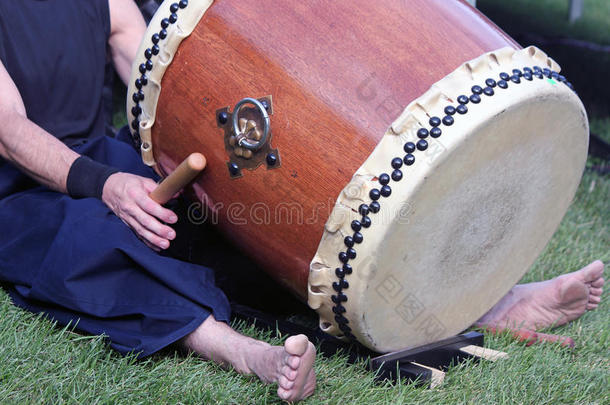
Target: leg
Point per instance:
(291, 366)
(548, 303)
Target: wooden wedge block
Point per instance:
(437, 375)
(483, 352)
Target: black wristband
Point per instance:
(87, 177)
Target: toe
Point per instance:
(593, 271)
(283, 394)
(595, 292)
(594, 299)
(296, 345)
(285, 383)
(599, 283)
(300, 356)
(289, 372)
(293, 362)
(591, 307)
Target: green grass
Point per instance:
(586, 69)
(550, 17)
(41, 363)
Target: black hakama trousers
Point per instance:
(78, 263)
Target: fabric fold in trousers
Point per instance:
(77, 262)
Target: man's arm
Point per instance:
(46, 159)
(127, 29)
(31, 148)
(28, 146)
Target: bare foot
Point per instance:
(290, 366)
(548, 303)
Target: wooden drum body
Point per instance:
(400, 220)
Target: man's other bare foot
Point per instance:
(548, 303)
(290, 366)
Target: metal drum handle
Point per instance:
(243, 141)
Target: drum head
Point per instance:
(466, 220)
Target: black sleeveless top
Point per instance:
(55, 52)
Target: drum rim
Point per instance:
(329, 271)
(173, 22)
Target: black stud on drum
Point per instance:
(397, 175)
(409, 147)
(422, 133)
(384, 179)
(271, 159)
(234, 169)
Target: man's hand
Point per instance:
(127, 196)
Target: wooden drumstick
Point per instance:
(179, 178)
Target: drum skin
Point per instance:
(339, 73)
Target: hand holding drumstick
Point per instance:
(137, 201)
(183, 175)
